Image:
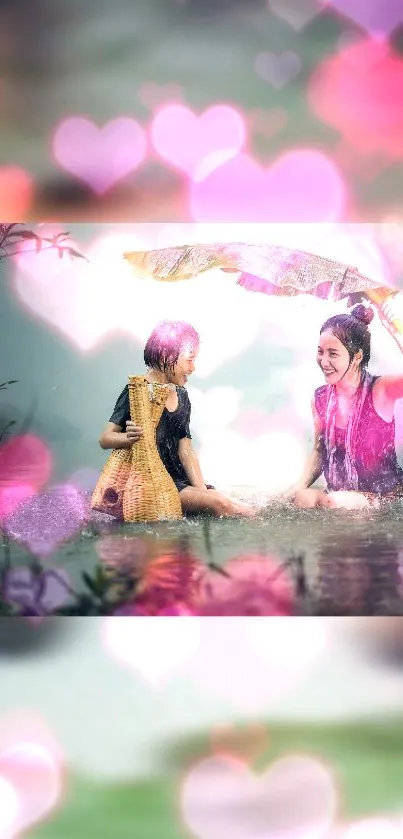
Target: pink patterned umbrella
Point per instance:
(269, 269)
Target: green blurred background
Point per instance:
(127, 745)
(97, 60)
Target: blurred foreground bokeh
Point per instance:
(152, 733)
(108, 114)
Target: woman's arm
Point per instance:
(387, 389)
(311, 472)
(190, 463)
(113, 437)
(391, 316)
(313, 467)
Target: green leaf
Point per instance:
(5, 429)
(29, 234)
(9, 233)
(73, 252)
(90, 583)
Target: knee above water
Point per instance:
(221, 506)
(305, 498)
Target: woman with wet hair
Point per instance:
(170, 356)
(353, 418)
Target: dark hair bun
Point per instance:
(363, 313)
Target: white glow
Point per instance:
(152, 647)
(9, 808)
(30, 750)
(235, 665)
(211, 162)
(372, 829)
(303, 381)
(213, 410)
(295, 798)
(271, 462)
(81, 305)
(284, 643)
(37, 779)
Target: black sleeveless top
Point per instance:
(172, 427)
(375, 456)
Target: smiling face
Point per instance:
(183, 368)
(334, 359)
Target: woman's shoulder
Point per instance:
(321, 392)
(320, 397)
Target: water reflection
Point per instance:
(358, 575)
(346, 568)
(149, 576)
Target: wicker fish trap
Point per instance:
(134, 484)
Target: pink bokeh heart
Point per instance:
(71, 294)
(30, 787)
(297, 13)
(25, 466)
(77, 304)
(154, 648)
(44, 522)
(31, 775)
(253, 664)
(359, 92)
(300, 186)
(295, 798)
(278, 70)
(16, 192)
(11, 496)
(99, 156)
(379, 17)
(45, 265)
(185, 139)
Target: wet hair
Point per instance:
(352, 330)
(167, 342)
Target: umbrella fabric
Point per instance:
(269, 269)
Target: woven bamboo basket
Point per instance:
(108, 493)
(134, 484)
(150, 493)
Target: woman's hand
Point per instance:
(133, 432)
(290, 493)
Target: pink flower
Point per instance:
(251, 584)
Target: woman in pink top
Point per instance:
(353, 417)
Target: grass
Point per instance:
(366, 758)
